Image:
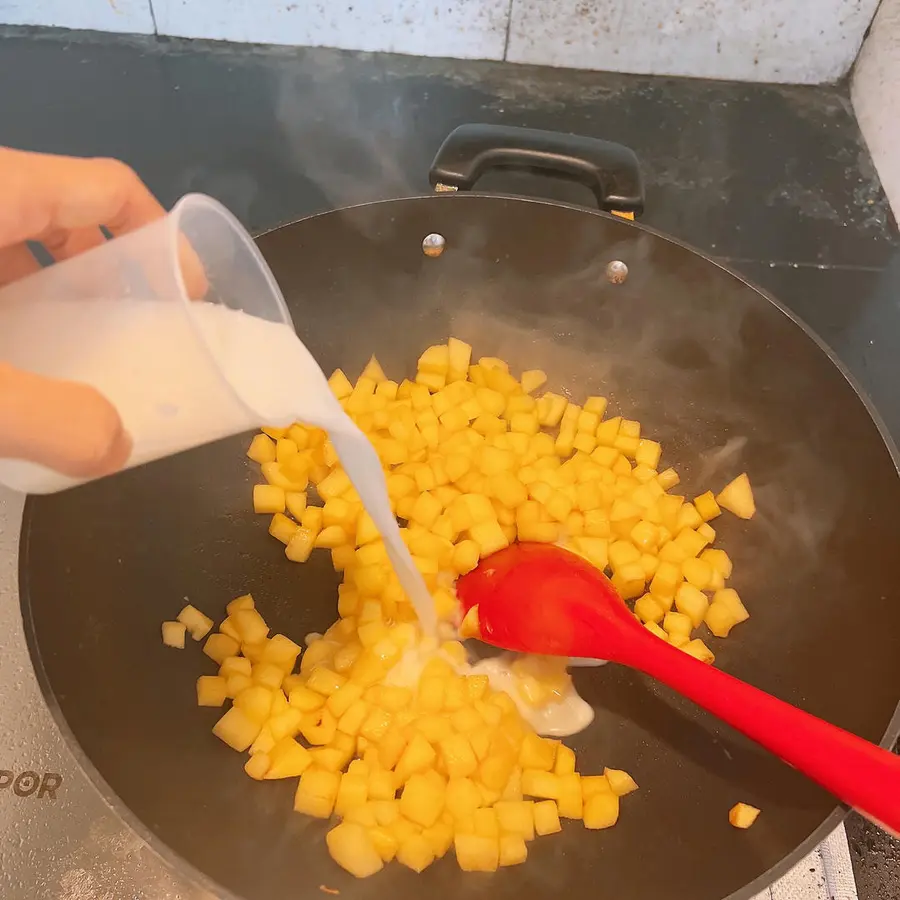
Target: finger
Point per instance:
(65, 426)
(16, 262)
(196, 284)
(62, 244)
(45, 195)
(62, 201)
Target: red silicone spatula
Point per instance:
(539, 598)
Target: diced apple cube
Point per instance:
(236, 729)
(691, 602)
(435, 359)
(513, 850)
(538, 783)
(537, 753)
(268, 498)
(699, 650)
(196, 623)
(678, 625)
(648, 609)
(289, 759)
(720, 619)
(719, 560)
(620, 782)
(462, 797)
(251, 625)
(282, 528)
(546, 817)
(353, 792)
(458, 757)
(317, 792)
(257, 766)
(697, 572)
(532, 379)
(417, 756)
(219, 647)
(475, 853)
(415, 852)
(707, 506)
(731, 599)
(262, 449)
(384, 842)
(340, 385)
(601, 811)
(255, 702)
(212, 690)
(742, 815)
(351, 847)
(737, 497)
(422, 800)
(173, 634)
(594, 784)
(569, 802)
(489, 537)
(648, 454)
(459, 356)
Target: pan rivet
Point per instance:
(616, 271)
(433, 245)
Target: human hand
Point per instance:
(61, 202)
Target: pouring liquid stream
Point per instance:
(314, 404)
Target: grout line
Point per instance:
(509, 11)
(153, 18)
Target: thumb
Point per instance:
(65, 426)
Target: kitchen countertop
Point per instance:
(774, 180)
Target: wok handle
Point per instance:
(857, 772)
(610, 170)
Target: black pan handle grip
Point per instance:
(610, 170)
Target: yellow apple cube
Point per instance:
(601, 811)
(212, 690)
(546, 817)
(691, 602)
(317, 792)
(195, 622)
(288, 759)
(737, 497)
(173, 634)
(351, 847)
(742, 815)
(237, 729)
(422, 800)
(475, 853)
(268, 498)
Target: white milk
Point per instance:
(562, 717)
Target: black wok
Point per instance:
(724, 376)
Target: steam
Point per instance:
(335, 139)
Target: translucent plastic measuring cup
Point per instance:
(126, 318)
(182, 326)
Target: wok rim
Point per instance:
(181, 864)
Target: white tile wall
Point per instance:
(465, 29)
(876, 97)
(800, 41)
(129, 16)
(805, 41)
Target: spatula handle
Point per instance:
(857, 772)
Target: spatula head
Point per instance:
(539, 598)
